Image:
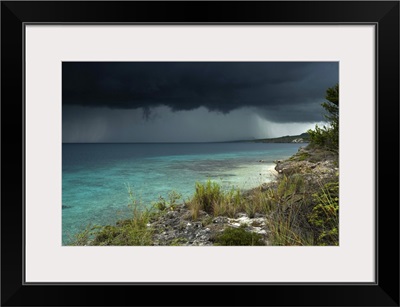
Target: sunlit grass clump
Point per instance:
(212, 199)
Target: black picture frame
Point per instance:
(383, 14)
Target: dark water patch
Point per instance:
(219, 175)
(209, 166)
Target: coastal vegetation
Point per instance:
(301, 138)
(300, 207)
(238, 237)
(328, 136)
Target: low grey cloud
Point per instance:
(83, 124)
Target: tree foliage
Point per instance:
(328, 136)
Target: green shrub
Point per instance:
(325, 215)
(83, 237)
(238, 237)
(328, 136)
(300, 156)
(162, 204)
(127, 235)
(129, 232)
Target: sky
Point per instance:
(192, 101)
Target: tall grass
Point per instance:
(129, 232)
(289, 205)
(325, 215)
(302, 213)
(258, 202)
(287, 227)
(212, 199)
(207, 195)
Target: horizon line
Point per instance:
(189, 142)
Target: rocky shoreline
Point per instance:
(176, 227)
(285, 211)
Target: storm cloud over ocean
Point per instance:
(191, 101)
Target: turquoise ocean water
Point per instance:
(96, 177)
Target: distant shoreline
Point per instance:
(301, 138)
(172, 143)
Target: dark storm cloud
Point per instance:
(281, 91)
